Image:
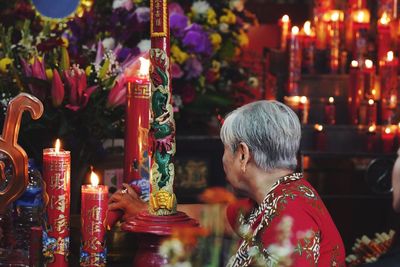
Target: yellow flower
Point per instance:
(178, 54)
(212, 17)
(4, 63)
(216, 40)
(215, 66)
(65, 42)
(243, 39)
(49, 74)
(88, 70)
(228, 18)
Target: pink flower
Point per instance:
(57, 89)
(117, 95)
(79, 92)
(37, 71)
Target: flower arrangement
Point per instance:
(78, 66)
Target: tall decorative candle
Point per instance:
(56, 175)
(320, 137)
(137, 161)
(162, 197)
(284, 24)
(369, 79)
(371, 112)
(334, 43)
(388, 81)
(361, 20)
(308, 48)
(321, 7)
(304, 107)
(352, 7)
(93, 215)
(388, 136)
(294, 63)
(356, 91)
(330, 111)
(384, 36)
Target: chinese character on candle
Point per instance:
(294, 63)
(384, 37)
(388, 136)
(369, 79)
(330, 111)
(93, 215)
(56, 175)
(308, 48)
(388, 81)
(137, 158)
(284, 23)
(356, 91)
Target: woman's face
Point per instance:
(231, 167)
(396, 183)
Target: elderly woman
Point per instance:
(284, 222)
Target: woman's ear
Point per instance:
(244, 155)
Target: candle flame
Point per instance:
(360, 17)
(354, 63)
(371, 102)
(295, 30)
(373, 91)
(369, 64)
(318, 127)
(372, 128)
(144, 67)
(388, 130)
(296, 99)
(285, 18)
(335, 16)
(94, 179)
(390, 56)
(307, 27)
(331, 100)
(57, 146)
(385, 19)
(303, 99)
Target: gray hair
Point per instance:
(270, 129)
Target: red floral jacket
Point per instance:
(291, 227)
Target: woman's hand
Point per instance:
(128, 201)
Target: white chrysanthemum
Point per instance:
(108, 43)
(144, 45)
(223, 27)
(237, 5)
(200, 7)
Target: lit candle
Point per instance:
(371, 138)
(56, 175)
(294, 63)
(284, 23)
(330, 111)
(308, 48)
(384, 37)
(304, 107)
(320, 139)
(371, 112)
(361, 20)
(388, 135)
(93, 216)
(321, 9)
(388, 81)
(356, 91)
(369, 79)
(334, 44)
(137, 161)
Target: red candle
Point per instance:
(371, 112)
(371, 138)
(384, 37)
(388, 81)
(307, 43)
(361, 20)
(334, 43)
(320, 138)
(137, 162)
(56, 175)
(330, 111)
(356, 92)
(304, 107)
(284, 24)
(321, 8)
(93, 229)
(369, 79)
(294, 63)
(388, 136)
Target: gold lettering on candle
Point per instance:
(92, 243)
(60, 247)
(158, 18)
(61, 224)
(57, 182)
(58, 202)
(94, 213)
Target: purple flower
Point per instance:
(176, 71)
(196, 40)
(193, 68)
(37, 71)
(142, 14)
(178, 23)
(175, 8)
